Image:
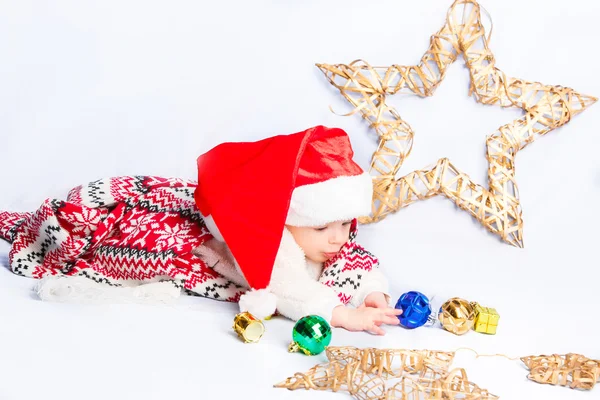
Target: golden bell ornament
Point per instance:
(457, 316)
(249, 328)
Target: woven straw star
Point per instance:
(573, 370)
(545, 108)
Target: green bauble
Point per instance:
(311, 335)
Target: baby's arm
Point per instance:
(365, 318)
(298, 294)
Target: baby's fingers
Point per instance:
(392, 311)
(376, 330)
(381, 317)
(390, 320)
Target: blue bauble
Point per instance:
(415, 309)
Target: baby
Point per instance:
(283, 212)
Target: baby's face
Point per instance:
(322, 242)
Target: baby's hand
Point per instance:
(366, 318)
(375, 300)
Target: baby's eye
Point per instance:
(322, 228)
(347, 223)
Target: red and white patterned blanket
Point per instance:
(136, 228)
(139, 229)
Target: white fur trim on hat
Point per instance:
(261, 303)
(336, 199)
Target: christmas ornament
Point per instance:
(486, 319)
(545, 108)
(416, 309)
(249, 328)
(311, 335)
(457, 315)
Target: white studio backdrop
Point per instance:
(105, 88)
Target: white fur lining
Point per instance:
(298, 293)
(337, 199)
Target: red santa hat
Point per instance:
(249, 191)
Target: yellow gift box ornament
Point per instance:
(486, 319)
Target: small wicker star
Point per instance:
(391, 374)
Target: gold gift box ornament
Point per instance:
(486, 319)
(249, 328)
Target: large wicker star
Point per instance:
(546, 108)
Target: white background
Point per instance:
(97, 89)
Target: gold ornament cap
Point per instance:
(249, 328)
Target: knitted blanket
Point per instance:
(137, 229)
(125, 229)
